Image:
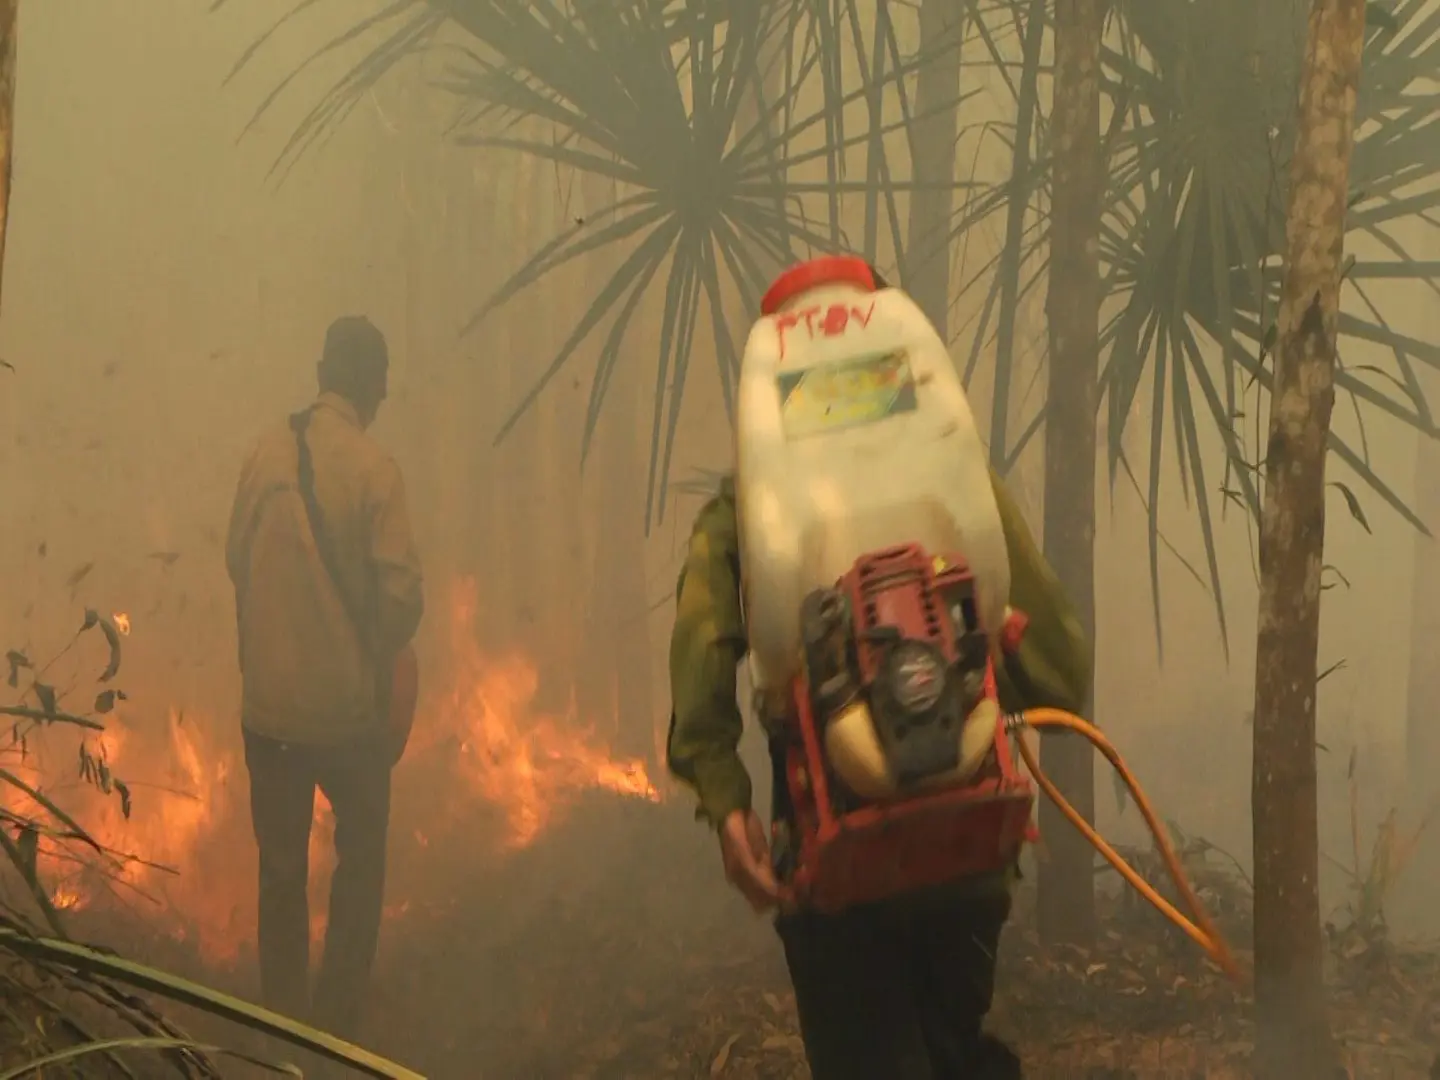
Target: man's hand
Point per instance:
(745, 852)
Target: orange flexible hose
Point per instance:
(1202, 929)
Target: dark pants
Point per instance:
(899, 990)
(356, 779)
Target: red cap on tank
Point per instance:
(829, 270)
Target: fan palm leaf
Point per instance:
(1202, 99)
(69, 956)
(1194, 236)
(648, 94)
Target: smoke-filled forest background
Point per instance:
(166, 293)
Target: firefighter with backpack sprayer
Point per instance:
(891, 698)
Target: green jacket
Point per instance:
(708, 644)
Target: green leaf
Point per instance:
(1352, 504)
(1194, 217)
(79, 574)
(1193, 222)
(651, 94)
(37, 1066)
(46, 696)
(16, 660)
(25, 868)
(49, 806)
(1381, 16)
(153, 981)
(56, 717)
(112, 638)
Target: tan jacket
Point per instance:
(307, 676)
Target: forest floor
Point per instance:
(611, 950)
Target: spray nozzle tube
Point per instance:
(1199, 927)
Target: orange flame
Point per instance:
(187, 846)
(530, 765)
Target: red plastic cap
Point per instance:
(1013, 632)
(802, 277)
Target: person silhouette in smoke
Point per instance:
(327, 595)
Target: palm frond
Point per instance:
(151, 1044)
(723, 188)
(80, 958)
(677, 102)
(1193, 229)
(696, 110)
(1201, 103)
(75, 969)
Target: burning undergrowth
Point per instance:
(546, 918)
(485, 774)
(170, 875)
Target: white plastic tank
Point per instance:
(853, 434)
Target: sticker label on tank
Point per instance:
(833, 396)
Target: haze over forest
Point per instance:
(166, 296)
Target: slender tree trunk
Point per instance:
(527, 574)
(616, 653)
(1021, 184)
(937, 102)
(1293, 1035)
(505, 596)
(9, 12)
(619, 633)
(1066, 878)
(555, 488)
(1422, 734)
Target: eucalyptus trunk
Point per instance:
(1022, 167)
(506, 600)
(932, 150)
(1292, 1036)
(558, 574)
(614, 651)
(9, 12)
(1422, 734)
(1066, 879)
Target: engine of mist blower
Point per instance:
(896, 760)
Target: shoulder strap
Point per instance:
(305, 477)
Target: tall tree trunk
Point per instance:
(932, 203)
(618, 636)
(9, 12)
(1422, 735)
(1066, 878)
(555, 487)
(1022, 182)
(616, 646)
(1292, 1036)
(504, 596)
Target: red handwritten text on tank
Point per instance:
(828, 322)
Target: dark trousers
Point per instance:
(356, 779)
(899, 991)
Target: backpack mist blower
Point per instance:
(875, 575)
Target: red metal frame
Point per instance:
(880, 850)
